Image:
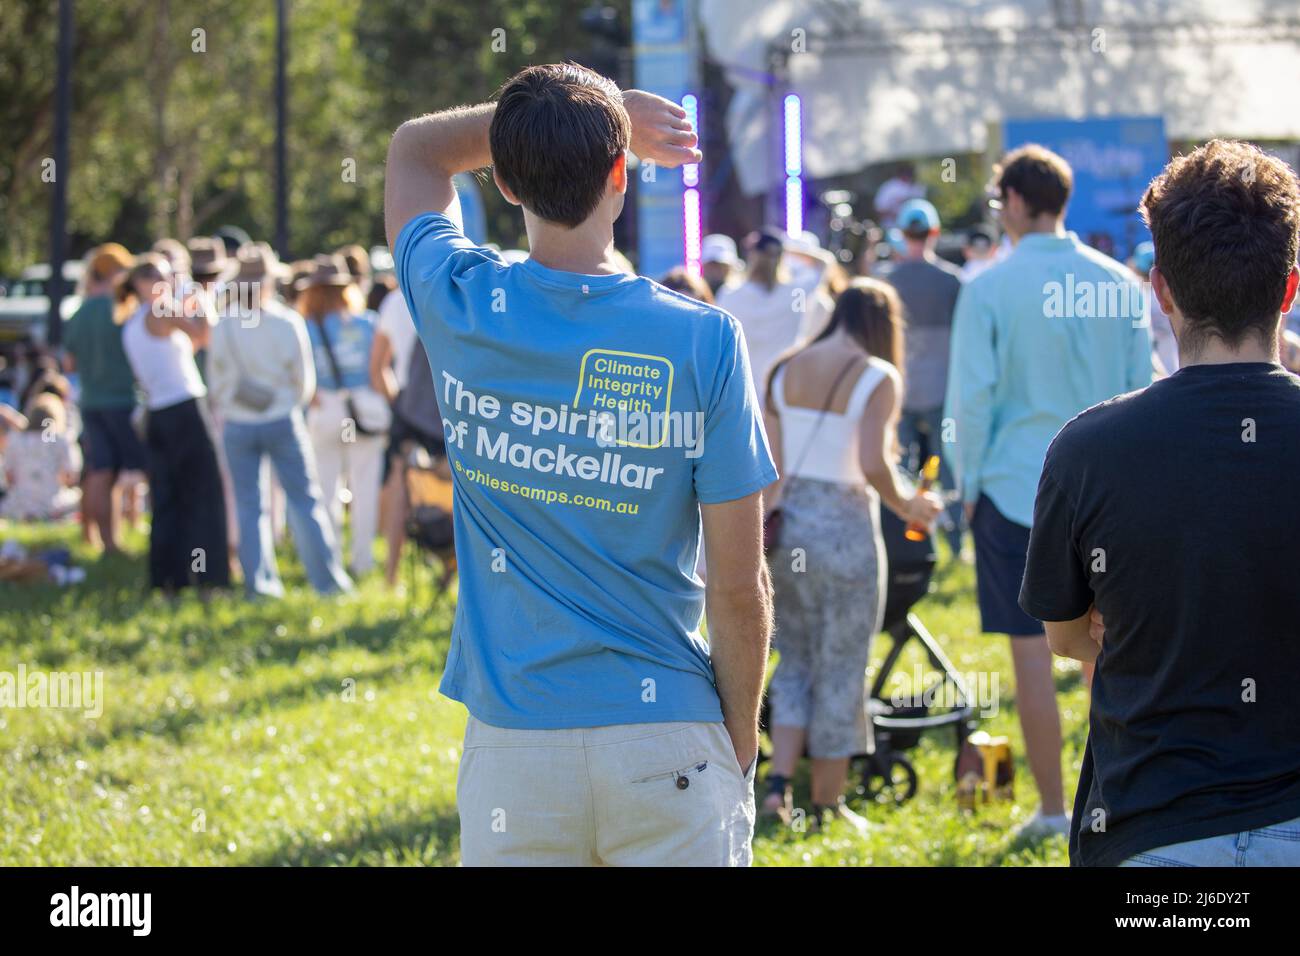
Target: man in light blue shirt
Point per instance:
(591, 418)
(1051, 330)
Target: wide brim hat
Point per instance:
(257, 262)
(209, 262)
(331, 270)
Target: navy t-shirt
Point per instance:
(1174, 510)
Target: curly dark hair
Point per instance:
(1226, 224)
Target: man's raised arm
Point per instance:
(424, 154)
(427, 151)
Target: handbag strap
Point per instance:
(329, 353)
(830, 398)
(234, 353)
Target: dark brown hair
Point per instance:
(147, 266)
(1224, 220)
(557, 132)
(679, 280)
(1040, 176)
(871, 312)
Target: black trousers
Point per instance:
(187, 545)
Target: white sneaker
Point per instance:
(1040, 827)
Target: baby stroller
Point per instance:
(887, 773)
(428, 521)
(427, 473)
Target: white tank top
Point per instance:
(164, 367)
(826, 451)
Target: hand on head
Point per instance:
(661, 133)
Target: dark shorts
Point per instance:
(400, 432)
(108, 441)
(1000, 549)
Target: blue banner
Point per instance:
(1113, 159)
(665, 63)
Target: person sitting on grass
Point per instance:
(42, 464)
(1165, 538)
(602, 728)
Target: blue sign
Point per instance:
(664, 57)
(1113, 159)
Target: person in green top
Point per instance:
(93, 344)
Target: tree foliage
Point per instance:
(173, 124)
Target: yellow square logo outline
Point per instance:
(668, 401)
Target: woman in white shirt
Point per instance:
(261, 374)
(832, 410)
(187, 541)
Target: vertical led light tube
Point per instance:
(793, 165)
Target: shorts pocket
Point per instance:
(681, 777)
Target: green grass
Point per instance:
(310, 731)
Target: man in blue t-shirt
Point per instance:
(592, 419)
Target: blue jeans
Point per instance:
(1276, 845)
(285, 444)
(921, 433)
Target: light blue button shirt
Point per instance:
(1053, 329)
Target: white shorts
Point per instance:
(669, 794)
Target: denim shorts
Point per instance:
(109, 441)
(1275, 845)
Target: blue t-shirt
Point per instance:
(351, 341)
(586, 418)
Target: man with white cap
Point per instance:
(772, 303)
(718, 260)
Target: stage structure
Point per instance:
(825, 88)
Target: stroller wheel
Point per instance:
(888, 778)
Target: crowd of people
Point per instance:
(1131, 525)
(230, 396)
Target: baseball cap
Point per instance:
(917, 216)
(108, 259)
(768, 236)
(719, 248)
(1144, 256)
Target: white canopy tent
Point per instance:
(887, 79)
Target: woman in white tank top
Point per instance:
(832, 410)
(187, 538)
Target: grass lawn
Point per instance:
(310, 731)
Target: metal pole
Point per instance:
(281, 122)
(59, 198)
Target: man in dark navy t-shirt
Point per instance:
(1165, 540)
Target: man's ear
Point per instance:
(504, 189)
(618, 174)
(1160, 288)
(1292, 281)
